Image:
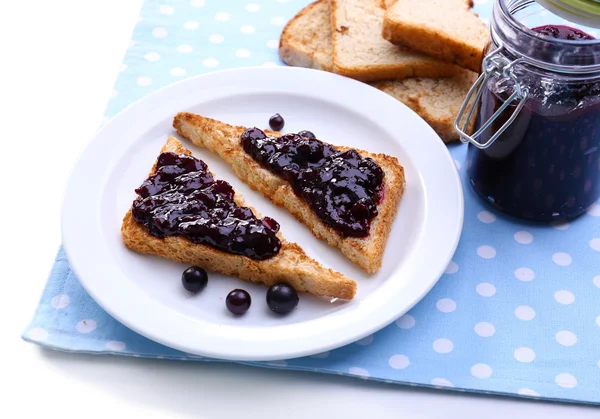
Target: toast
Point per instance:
(289, 265)
(224, 139)
(360, 52)
(306, 42)
(445, 29)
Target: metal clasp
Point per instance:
(494, 65)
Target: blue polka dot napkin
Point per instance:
(516, 313)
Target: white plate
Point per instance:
(145, 292)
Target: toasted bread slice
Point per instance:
(224, 139)
(290, 265)
(445, 29)
(306, 42)
(360, 52)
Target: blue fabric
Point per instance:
(516, 313)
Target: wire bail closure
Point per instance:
(494, 65)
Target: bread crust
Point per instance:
(290, 265)
(224, 139)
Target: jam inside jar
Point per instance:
(539, 158)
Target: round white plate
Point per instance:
(145, 292)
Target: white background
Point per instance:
(58, 62)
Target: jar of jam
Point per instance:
(535, 153)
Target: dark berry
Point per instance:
(281, 298)
(307, 134)
(563, 32)
(238, 301)
(194, 279)
(276, 122)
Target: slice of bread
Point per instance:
(360, 52)
(306, 42)
(445, 29)
(290, 265)
(224, 139)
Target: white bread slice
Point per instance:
(290, 265)
(445, 29)
(224, 139)
(306, 42)
(360, 52)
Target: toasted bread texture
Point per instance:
(360, 52)
(224, 139)
(445, 29)
(290, 265)
(306, 42)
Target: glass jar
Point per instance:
(536, 150)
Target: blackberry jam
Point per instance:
(539, 157)
(341, 187)
(182, 198)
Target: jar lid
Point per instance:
(583, 12)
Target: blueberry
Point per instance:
(281, 298)
(194, 279)
(276, 122)
(238, 301)
(307, 134)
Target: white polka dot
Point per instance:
(486, 252)
(60, 301)
(457, 164)
(273, 44)
(486, 217)
(560, 225)
(163, 9)
(566, 380)
(452, 268)
(524, 274)
(190, 25)
(399, 362)
(321, 355)
(143, 81)
(443, 346)
(598, 321)
(197, 3)
(86, 326)
(269, 64)
(441, 382)
(446, 305)
(524, 354)
(596, 281)
(564, 297)
(527, 392)
(210, 62)
(278, 363)
(216, 38)
(159, 32)
(184, 49)
(594, 211)
(524, 313)
(177, 72)
(359, 371)
(242, 53)
(115, 345)
(485, 289)
(406, 322)
(278, 21)
(152, 56)
(222, 17)
(38, 334)
(365, 341)
(562, 259)
(523, 237)
(485, 329)
(123, 67)
(247, 29)
(595, 244)
(481, 371)
(566, 338)
(252, 7)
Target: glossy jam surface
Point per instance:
(546, 165)
(341, 187)
(182, 197)
(563, 32)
